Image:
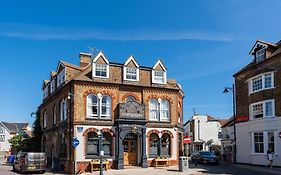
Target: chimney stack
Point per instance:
(85, 59)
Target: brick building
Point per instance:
(137, 110)
(258, 102)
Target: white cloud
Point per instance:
(36, 32)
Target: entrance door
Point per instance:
(130, 149)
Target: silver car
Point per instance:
(30, 162)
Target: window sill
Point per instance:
(102, 119)
(261, 118)
(131, 80)
(250, 93)
(100, 77)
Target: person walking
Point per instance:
(270, 157)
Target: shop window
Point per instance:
(153, 145)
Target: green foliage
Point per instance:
(37, 133)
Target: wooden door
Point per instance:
(130, 152)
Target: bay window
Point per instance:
(261, 82)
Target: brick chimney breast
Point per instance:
(85, 59)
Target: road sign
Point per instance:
(75, 142)
(280, 135)
(186, 139)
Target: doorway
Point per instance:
(130, 146)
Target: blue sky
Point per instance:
(202, 43)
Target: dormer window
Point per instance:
(159, 77)
(100, 66)
(101, 70)
(159, 73)
(131, 73)
(260, 55)
(131, 69)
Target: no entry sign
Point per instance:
(186, 139)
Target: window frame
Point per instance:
(2, 138)
(263, 76)
(159, 110)
(131, 74)
(265, 141)
(264, 115)
(99, 107)
(260, 54)
(45, 119)
(54, 115)
(94, 73)
(155, 78)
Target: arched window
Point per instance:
(62, 110)
(92, 144)
(107, 141)
(153, 145)
(130, 98)
(54, 115)
(165, 113)
(92, 105)
(165, 145)
(105, 106)
(45, 119)
(153, 110)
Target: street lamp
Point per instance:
(70, 97)
(100, 137)
(227, 90)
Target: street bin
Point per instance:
(183, 163)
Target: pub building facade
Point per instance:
(136, 109)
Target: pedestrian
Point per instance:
(270, 157)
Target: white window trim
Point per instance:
(264, 109)
(99, 108)
(264, 54)
(159, 107)
(156, 82)
(61, 77)
(125, 73)
(94, 71)
(250, 81)
(265, 142)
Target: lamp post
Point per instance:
(70, 97)
(100, 137)
(227, 90)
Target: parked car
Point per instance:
(30, 162)
(205, 157)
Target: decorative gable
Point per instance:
(131, 69)
(159, 75)
(100, 68)
(261, 50)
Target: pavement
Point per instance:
(222, 169)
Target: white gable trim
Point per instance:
(131, 58)
(161, 64)
(257, 45)
(5, 127)
(100, 54)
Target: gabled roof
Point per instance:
(66, 64)
(131, 58)
(223, 121)
(45, 83)
(159, 62)
(261, 43)
(15, 127)
(101, 54)
(210, 118)
(230, 122)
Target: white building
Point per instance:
(205, 132)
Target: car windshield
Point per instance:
(206, 153)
